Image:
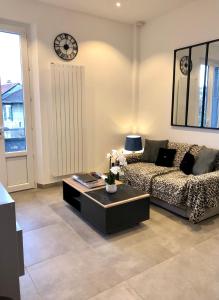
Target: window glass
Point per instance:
(12, 92)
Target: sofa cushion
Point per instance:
(140, 175)
(181, 149)
(205, 161)
(216, 164)
(187, 163)
(195, 150)
(151, 150)
(171, 187)
(165, 157)
(133, 157)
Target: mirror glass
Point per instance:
(180, 87)
(196, 86)
(211, 112)
(195, 101)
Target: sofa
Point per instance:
(195, 197)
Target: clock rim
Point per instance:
(66, 59)
(191, 65)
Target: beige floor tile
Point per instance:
(24, 195)
(119, 292)
(50, 241)
(48, 194)
(52, 195)
(178, 234)
(140, 257)
(200, 272)
(209, 251)
(133, 236)
(181, 277)
(210, 225)
(157, 213)
(161, 283)
(87, 233)
(74, 275)
(27, 288)
(206, 227)
(32, 214)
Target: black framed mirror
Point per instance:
(195, 95)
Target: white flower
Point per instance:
(115, 170)
(115, 154)
(108, 156)
(122, 160)
(124, 164)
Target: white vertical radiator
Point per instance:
(67, 119)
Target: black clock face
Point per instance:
(184, 65)
(65, 46)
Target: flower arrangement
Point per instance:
(117, 161)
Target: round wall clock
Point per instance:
(65, 46)
(184, 65)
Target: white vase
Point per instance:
(111, 188)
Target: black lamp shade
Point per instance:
(133, 143)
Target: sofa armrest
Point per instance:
(133, 157)
(203, 193)
(210, 177)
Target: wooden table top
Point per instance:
(84, 190)
(81, 188)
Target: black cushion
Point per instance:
(187, 163)
(165, 157)
(205, 161)
(151, 150)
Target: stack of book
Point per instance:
(90, 180)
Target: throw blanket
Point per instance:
(203, 193)
(199, 193)
(140, 175)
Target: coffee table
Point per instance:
(108, 213)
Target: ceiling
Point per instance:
(130, 11)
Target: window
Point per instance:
(7, 112)
(12, 92)
(211, 109)
(215, 98)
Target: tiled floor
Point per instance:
(164, 258)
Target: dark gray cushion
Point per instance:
(151, 150)
(216, 164)
(205, 161)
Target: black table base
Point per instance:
(108, 219)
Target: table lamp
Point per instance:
(133, 143)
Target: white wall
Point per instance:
(194, 23)
(105, 49)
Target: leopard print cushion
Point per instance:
(171, 187)
(140, 175)
(181, 149)
(133, 157)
